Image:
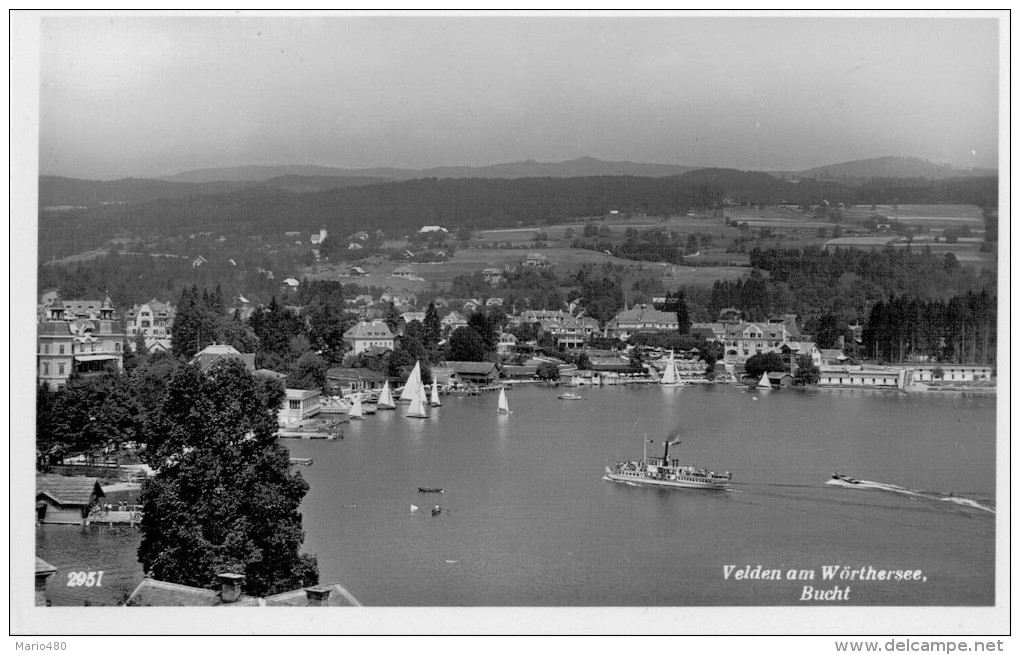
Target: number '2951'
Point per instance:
(85, 579)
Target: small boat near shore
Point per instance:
(666, 472)
(570, 396)
(431, 490)
(845, 478)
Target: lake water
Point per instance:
(529, 520)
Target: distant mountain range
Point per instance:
(54, 191)
(582, 167)
(891, 167)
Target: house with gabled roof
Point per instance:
(218, 352)
(62, 499)
(368, 334)
(452, 321)
(640, 317)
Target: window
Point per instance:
(62, 349)
(46, 368)
(60, 369)
(295, 404)
(116, 347)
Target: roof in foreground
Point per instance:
(156, 593)
(335, 596)
(68, 490)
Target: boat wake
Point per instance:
(930, 495)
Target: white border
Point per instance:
(27, 619)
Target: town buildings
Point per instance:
(153, 321)
(369, 334)
(640, 317)
(83, 337)
(219, 352)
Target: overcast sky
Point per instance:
(154, 96)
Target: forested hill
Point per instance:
(65, 191)
(580, 167)
(392, 206)
(55, 191)
(750, 187)
(891, 167)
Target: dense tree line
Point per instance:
(895, 270)
(960, 330)
(752, 296)
(650, 245)
(396, 206)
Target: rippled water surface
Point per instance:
(529, 520)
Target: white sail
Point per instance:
(386, 398)
(504, 407)
(417, 408)
(764, 383)
(434, 398)
(356, 410)
(412, 384)
(669, 376)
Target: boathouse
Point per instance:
(949, 372)
(68, 500)
(481, 373)
(348, 380)
(300, 404)
(861, 377)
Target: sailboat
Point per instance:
(417, 408)
(504, 406)
(670, 376)
(386, 398)
(412, 384)
(434, 398)
(764, 383)
(357, 412)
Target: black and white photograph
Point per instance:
(511, 323)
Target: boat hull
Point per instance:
(680, 483)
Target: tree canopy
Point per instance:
(225, 499)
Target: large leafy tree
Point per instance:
(466, 345)
(94, 413)
(225, 498)
(764, 363)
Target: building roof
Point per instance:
(156, 593)
(43, 567)
(216, 352)
(413, 316)
(472, 368)
(68, 490)
(268, 373)
(369, 330)
(340, 373)
(640, 314)
(160, 309)
(335, 596)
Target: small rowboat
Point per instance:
(430, 490)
